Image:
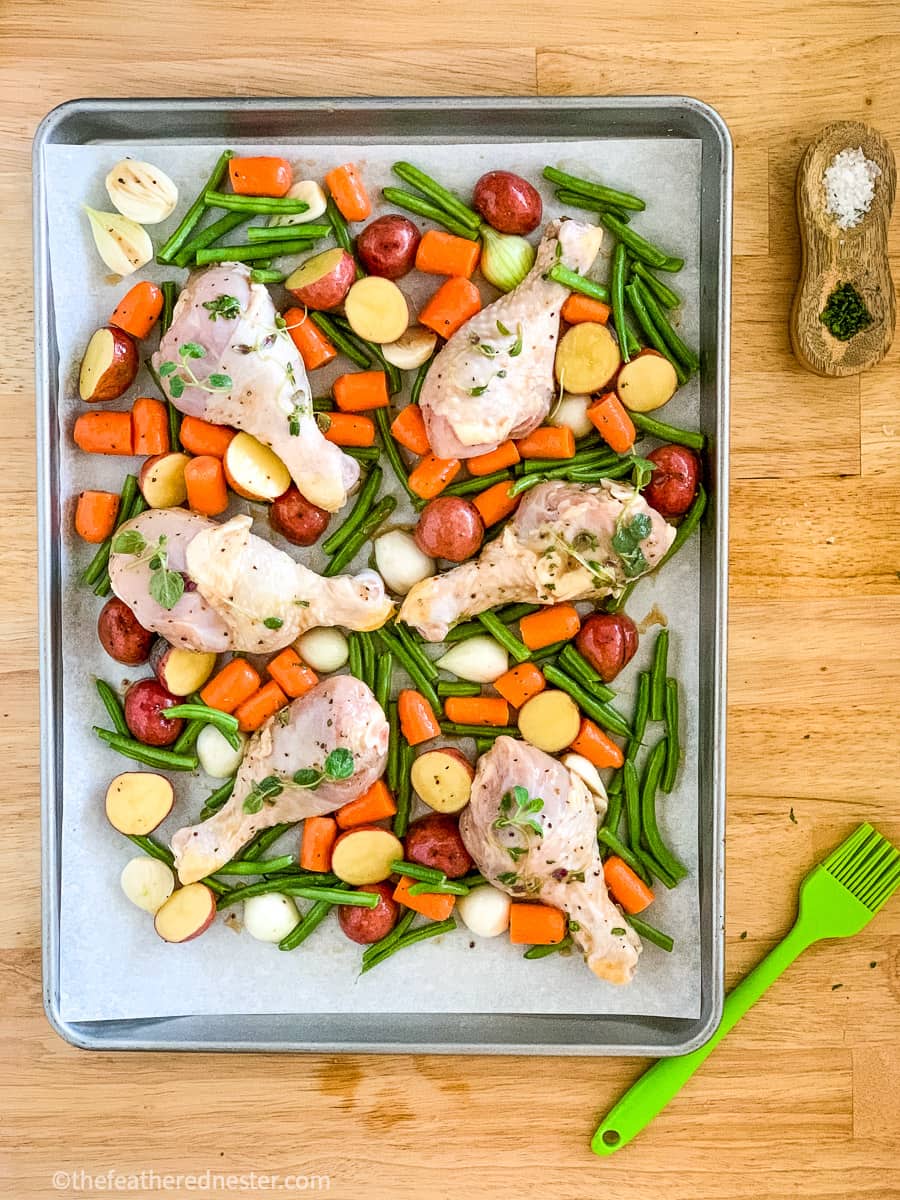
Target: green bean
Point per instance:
(472, 881)
(150, 756)
(224, 722)
(486, 732)
(515, 612)
(97, 566)
(113, 706)
(468, 487)
(581, 670)
(682, 352)
(600, 712)
(424, 208)
(340, 230)
(220, 889)
(407, 757)
(414, 648)
(663, 293)
(483, 745)
(382, 420)
(641, 713)
(217, 799)
(463, 631)
(384, 673)
(607, 838)
(287, 233)
(617, 286)
(649, 826)
(507, 640)
(304, 892)
(360, 510)
(615, 785)
(154, 849)
(410, 665)
(658, 676)
(654, 868)
(258, 845)
(649, 934)
(393, 763)
(438, 194)
(587, 458)
(193, 214)
(305, 926)
(371, 350)
(282, 205)
(447, 887)
(574, 200)
(263, 264)
(692, 519)
(639, 246)
(548, 652)
(165, 317)
(546, 951)
(636, 300)
(242, 866)
(458, 689)
(586, 187)
(207, 236)
(368, 659)
(376, 949)
(632, 804)
(419, 381)
(261, 275)
(407, 939)
(354, 657)
(668, 433)
(188, 737)
(248, 252)
(416, 871)
(354, 544)
(670, 770)
(613, 818)
(577, 283)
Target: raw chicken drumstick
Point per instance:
(550, 854)
(241, 592)
(338, 714)
(557, 547)
(494, 378)
(231, 321)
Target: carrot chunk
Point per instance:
(556, 623)
(409, 430)
(506, 455)
(477, 710)
(433, 474)
(319, 835)
(138, 310)
(95, 515)
(348, 429)
(207, 491)
(373, 805)
(315, 348)
(150, 426)
(202, 437)
(495, 503)
(231, 686)
(417, 720)
(292, 674)
(536, 924)
(257, 708)
(361, 390)
(596, 746)
(104, 433)
(520, 684)
(349, 192)
(430, 904)
(611, 420)
(264, 175)
(578, 309)
(442, 253)
(627, 888)
(451, 306)
(548, 441)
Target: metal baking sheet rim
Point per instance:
(80, 121)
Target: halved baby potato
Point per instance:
(181, 671)
(587, 357)
(138, 801)
(253, 470)
(186, 914)
(550, 721)
(647, 382)
(443, 779)
(324, 280)
(147, 882)
(109, 365)
(412, 349)
(377, 310)
(365, 854)
(161, 480)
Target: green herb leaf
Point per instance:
(166, 587)
(228, 307)
(263, 792)
(508, 878)
(129, 541)
(642, 471)
(617, 932)
(339, 764)
(273, 622)
(176, 387)
(167, 368)
(488, 351)
(191, 350)
(478, 391)
(501, 328)
(220, 382)
(516, 348)
(308, 777)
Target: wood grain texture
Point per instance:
(801, 1100)
(832, 256)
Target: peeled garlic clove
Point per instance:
(308, 191)
(141, 191)
(123, 245)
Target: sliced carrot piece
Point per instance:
(556, 623)
(442, 253)
(611, 420)
(627, 888)
(319, 834)
(138, 310)
(291, 673)
(495, 503)
(432, 475)
(349, 192)
(376, 804)
(596, 746)
(430, 904)
(95, 515)
(257, 709)
(202, 437)
(263, 175)
(506, 455)
(578, 309)
(417, 720)
(477, 710)
(409, 430)
(451, 306)
(150, 426)
(314, 347)
(104, 433)
(207, 490)
(231, 686)
(519, 684)
(348, 429)
(536, 924)
(548, 441)
(361, 390)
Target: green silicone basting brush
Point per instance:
(838, 898)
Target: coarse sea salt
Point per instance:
(850, 186)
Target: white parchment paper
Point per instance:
(112, 963)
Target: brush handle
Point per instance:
(656, 1087)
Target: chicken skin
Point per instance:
(494, 378)
(561, 545)
(531, 828)
(241, 592)
(225, 360)
(338, 714)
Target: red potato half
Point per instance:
(253, 470)
(443, 779)
(435, 841)
(187, 913)
(324, 280)
(297, 519)
(145, 702)
(388, 245)
(609, 642)
(122, 635)
(673, 484)
(508, 202)
(647, 382)
(109, 365)
(181, 671)
(368, 925)
(450, 527)
(365, 854)
(138, 801)
(161, 480)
